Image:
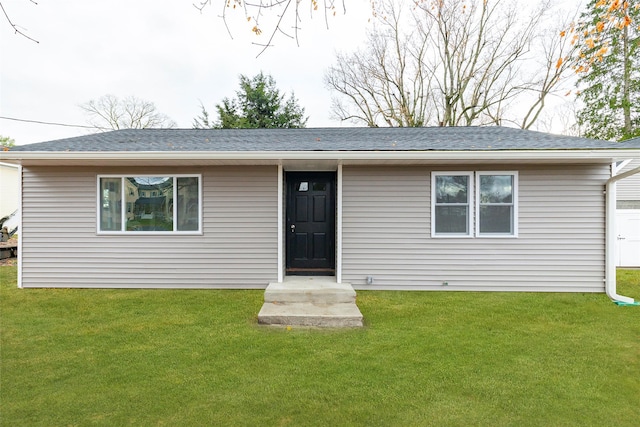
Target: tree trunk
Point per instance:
(626, 96)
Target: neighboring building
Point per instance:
(628, 216)
(9, 189)
(460, 208)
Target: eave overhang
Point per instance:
(310, 158)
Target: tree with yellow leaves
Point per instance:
(276, 13)
(607, 61)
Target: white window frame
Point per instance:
(514, 204)
(474, 205)
(123, 207)
(469, 204)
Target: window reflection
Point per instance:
(496, 208)
(456, 205)
(452, 189)
(496, 188)
(149, 203)
(452, 212)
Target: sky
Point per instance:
(163, 51)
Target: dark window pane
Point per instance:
(319, 186)
(496, 219)
(188, 208)
(452, 219)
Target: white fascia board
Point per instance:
(11, 165)
(497, 155)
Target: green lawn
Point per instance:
(197, 357)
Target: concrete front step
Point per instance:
(311, 291)
(306, 314)
(310, 301)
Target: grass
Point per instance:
(192, 357)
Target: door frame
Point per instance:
(282, 219)
(326, 267)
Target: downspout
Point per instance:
(281, 220)
(20, 228)
(610, 236)
(339, 225)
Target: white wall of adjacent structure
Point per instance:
(628, 189)
(9, 189)
(628, 217)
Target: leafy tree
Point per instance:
(6, 142)
(111, 112)
(607, 60)
(258, 104)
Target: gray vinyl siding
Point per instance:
(628, 189)
(560, 247)
(237, 249)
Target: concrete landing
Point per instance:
(310, 301)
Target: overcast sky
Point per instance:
(162, 51)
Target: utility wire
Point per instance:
(39, 122)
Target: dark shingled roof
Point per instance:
(324, 139)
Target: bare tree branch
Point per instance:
(255, 11)
(14, 26)
(383, 81)
(461, 63)
(111, 112)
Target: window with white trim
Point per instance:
(451, 196)
(455, 204)
(149, 203)
(496, 211)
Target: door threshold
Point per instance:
(310, 272)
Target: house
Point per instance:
(628, 216)
(9, 189)
(466, 208)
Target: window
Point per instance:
(454, 208)
(496, 203)
(452, 203)
(151, 204)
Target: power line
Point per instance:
(39, 122)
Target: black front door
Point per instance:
(311, 220)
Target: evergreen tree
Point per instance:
(258, 104)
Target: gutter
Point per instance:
(346, 156)
(610, 233)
